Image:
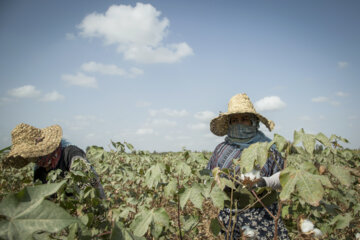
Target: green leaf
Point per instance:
(194, 194)
(129, 146)
(189, 222)
(27, 198)
(341, 221)
(119, 232)
(161, 217)
(309, 186)
(170, 189)
(153, 175)
(218, 197)
(142, 221)
(41, 216)
(215, 226)
(280, 141)
(323, 140)
(308, 140)
(255, 154)
(342, 174)
(182, 168)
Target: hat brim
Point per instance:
(220, 125)
(25, 152)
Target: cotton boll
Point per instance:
(254, 174)
(317, 232)
(248, 232)
(306, 226)
(357, 236)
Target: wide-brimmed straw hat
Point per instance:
(238, 104)
(29, 143)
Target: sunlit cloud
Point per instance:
(145, 131)
(270, 104)
(70, 36)
(162, 122)
(342, 64)
(143, 104)
(52, 97)
(80, 79)
(138, 32)
(204, 115)
(305, 118)
(168, 112)
(342, 94)
(198, 126)
(27, 91)
(320, 99)
(110, 69)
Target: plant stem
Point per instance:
(272, 215)
(277, 221)
(178, 198)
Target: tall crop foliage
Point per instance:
(173, 196)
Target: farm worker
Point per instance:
(46, 148)
(240, 124)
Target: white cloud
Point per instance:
(342, 64)
(352, 117)
(70, 36)
(145, 131)
(137, 31)
(27, 91)
(80, 79)
(320, 99)
(322, 117)
(342, 94)
(5, 100)
(335, 103)
(110, 69)
(305, 118)
(103, 69)
(52, 96)
(269, 104)
(81, 122)
(162, 122)
(168, 112)
(198, 126)
(204, 115)
(168, 54)
(133, 72)
(143, 104)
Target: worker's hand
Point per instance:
(260, 183)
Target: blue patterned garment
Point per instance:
(256, 218)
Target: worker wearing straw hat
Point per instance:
(240, 125)
(46, 148)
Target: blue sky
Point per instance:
(154, 73)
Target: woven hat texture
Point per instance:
(29, 143)
(238, 104)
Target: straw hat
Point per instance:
(239, 103)
(29, 143)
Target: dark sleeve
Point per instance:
(40, 173)
(69, 153)
(274, 164)
(214, 158)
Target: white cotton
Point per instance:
(306, 226)
(357, 236)
(248, 232)
(254, 174)
(317, 232)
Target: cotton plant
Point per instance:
(253, 175)
(248, 232)
(307, 227)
